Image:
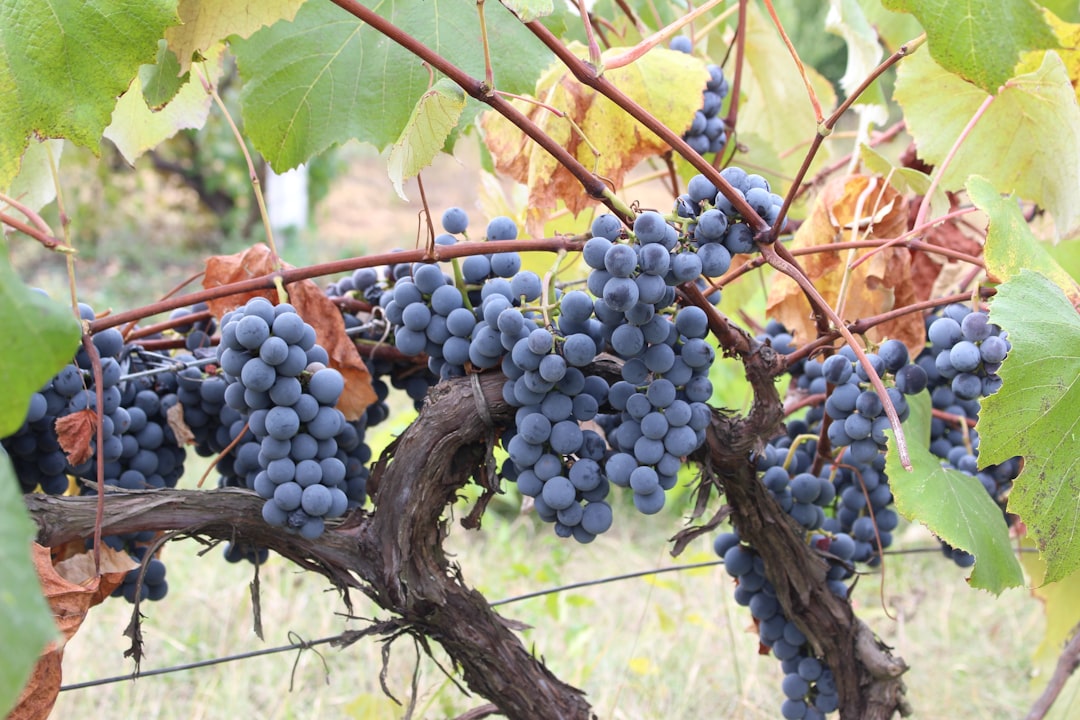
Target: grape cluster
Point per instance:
(154, 586)
(707, 132)
(278, 378)
(198, 334)
(713, 218)
(856, 412)
(660, 413)
(34, 448)
(956, 387)
(968, 350)
(553, 459)
(808, 684)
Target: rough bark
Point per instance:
(868, 678)
(394, 554)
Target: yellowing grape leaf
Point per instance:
(71, 588)
(903, 178)
(436, 114)
(846, 19)
(206, 22)
(775, 105)
(1039, 106)
(619, 139)
(311, 304)
(874, 210)
(35, 186)
(1010, 245)
(135, 128)
(1068, 35)
(1059, 603)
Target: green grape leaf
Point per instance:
(953, 505)
(1035, 415)
(26, 622)
(1039, 106)
(135, 128)
(435, 115)
(63, 64)
(321, 79)
(771, 81)
(1010, 246)
(40, 336)
(35, 186)
(162, 80)
(207, 22)
(980, 40)
(1067, 10)
(529, 10)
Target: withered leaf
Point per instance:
(312, 305)
(75, 432)
(175, 417)
(858, 207)
(71, 587)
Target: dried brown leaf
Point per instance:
(927, 268)
(175, 417)
(71, 587)
(312, 305)
(75, 432)
(864, 207)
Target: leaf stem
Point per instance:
(736, 81)
(489, 71)
(825, 128)
(65, 223)
(939, 171)
(43, 237)
(439, 253)
(586, 20)
(256, 186)
(661, 35)
(593, 186)
(588, 76)
(798, 62)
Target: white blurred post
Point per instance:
(287, 200)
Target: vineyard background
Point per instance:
(674, 645)
(671, 645)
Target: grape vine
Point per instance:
(573, 364)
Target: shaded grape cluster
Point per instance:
(707, 132)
